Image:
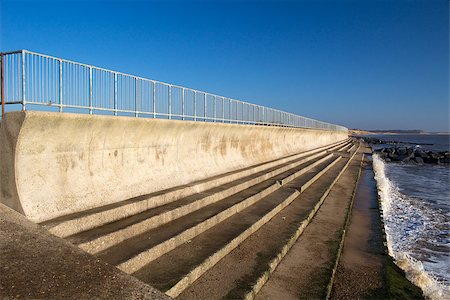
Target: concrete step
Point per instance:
(260, 281)
(351, 148)
(264, 189)
(106, 236)
(345, 147)
(180, 267)
(259, 255)
(148, 246)
(73, 224)
(308, 267)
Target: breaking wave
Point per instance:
(407, 225)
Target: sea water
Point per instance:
(416, 209)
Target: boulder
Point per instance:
(401, 151)
(420, 153)
(419, 160)
(444, 160)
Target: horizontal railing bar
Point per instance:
(161, 114)
(11, 52)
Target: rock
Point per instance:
(420, 153)
(434, 155)
(393, 157)
(444, 160)
(403, 158)
(419, 160)
(431, 160)
(401, 151)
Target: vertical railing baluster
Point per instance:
(60, 86)
(182, 104)
(136, 98)
(223, 110)
(253, 118)
(204, 107)
(170, 101)
(195, 105)
(229, 110)
(90, 90)
(115, 94)
(23, 82)
(154, 99)
(215, 108)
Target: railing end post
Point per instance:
(2, 79)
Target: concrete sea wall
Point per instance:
(54, 164)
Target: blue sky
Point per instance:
(362, 64)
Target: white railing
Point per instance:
(33, 80)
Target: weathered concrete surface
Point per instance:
(35, 264)
(361, 266)
(55, 164)
(306, 269)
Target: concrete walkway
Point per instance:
(305, 271)
(35, 264)
(361, 266)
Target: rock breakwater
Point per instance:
(413, 155)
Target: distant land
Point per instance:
(393, 131)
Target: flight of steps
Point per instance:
(179, 239)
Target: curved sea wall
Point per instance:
(54, 164)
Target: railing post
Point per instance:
(204, 107)
(195, 105)
(263, 115)
(215, 98)
(223, 110)
(170, 102)
(115, 94)
(90, 90)
(60, 86)
(23, 81)
(229, 111)
(2, 80)
(154, 99)
(182, 104)
(254, 114)
(136, 100)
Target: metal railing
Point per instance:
(31, 79)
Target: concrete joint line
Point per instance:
(187, 280)
(88, 222)
(304, 170)
(276, 261)
(318, 175)
(346, 147)
(350, 150)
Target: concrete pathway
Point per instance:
(361, 266)
(35, 264)
(305, 271)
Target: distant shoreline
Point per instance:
(396, 132)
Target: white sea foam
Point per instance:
(399, 212)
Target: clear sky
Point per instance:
(362, 64)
